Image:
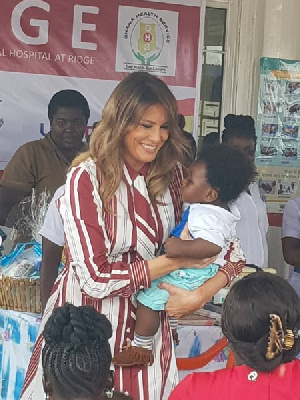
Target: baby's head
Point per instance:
(219, 176)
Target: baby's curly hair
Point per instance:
(76, 357)
(228, 171)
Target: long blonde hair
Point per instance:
(123, 111)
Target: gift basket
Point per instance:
(19, 280)
(20, 269)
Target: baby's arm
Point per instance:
(195, 248)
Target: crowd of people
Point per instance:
(115, 204)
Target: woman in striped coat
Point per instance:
(121, 200)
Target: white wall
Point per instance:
(257, 28)
(282, 29)
(268, 28)
(281, 40)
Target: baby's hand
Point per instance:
(172, 247)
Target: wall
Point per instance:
(281, 40)
(259, 28)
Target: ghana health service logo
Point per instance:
(147, 40)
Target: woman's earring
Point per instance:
(109, 393)
(48, 396)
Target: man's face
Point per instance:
(67, 128)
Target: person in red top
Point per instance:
(261, 320)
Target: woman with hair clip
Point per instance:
(252, 228)
(76, 356)
(120, 203)
(261, 320)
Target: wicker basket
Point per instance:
(20, 294)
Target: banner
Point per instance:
(47, 46)
(278, 131)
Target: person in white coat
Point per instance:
(252, 228)
(291, 240)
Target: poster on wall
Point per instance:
(278, 132)
(278, 119)
(277, 185)
(47, 46)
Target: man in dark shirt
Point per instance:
(42, 164)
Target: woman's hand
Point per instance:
(182, 302)
(197, 263)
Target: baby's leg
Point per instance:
(139, 351)
(174, 325)
(147, 321)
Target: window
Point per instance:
(212, 71)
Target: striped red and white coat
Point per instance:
(106, 266)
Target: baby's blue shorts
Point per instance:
(185, 278)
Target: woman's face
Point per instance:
(247, 146)
(67, 128)
(143, 142)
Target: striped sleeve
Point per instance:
(89, 246)
(234, 262)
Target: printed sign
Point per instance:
(147, 40)
(49, 45)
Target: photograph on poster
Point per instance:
(269, 130)
(293, 110)
(290, 152)
(271, 86)
(293, 87)
(285, 188)
(266, 187)
(268, 150)
(290, 131)
(270, 107)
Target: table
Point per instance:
(194, 340)
(18, 332)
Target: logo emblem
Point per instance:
(146, 40)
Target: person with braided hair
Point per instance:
(261, 320)
(253, 225)
(76, 357)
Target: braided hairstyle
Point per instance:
(240, 126)
(246, 318)
(76, 357)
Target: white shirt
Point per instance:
(291, 219)
(214, 224)
(252, 228)
(53, 228)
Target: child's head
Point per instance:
(76, 357)
(219, 176)
(261, 319)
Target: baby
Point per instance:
(214, 181)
